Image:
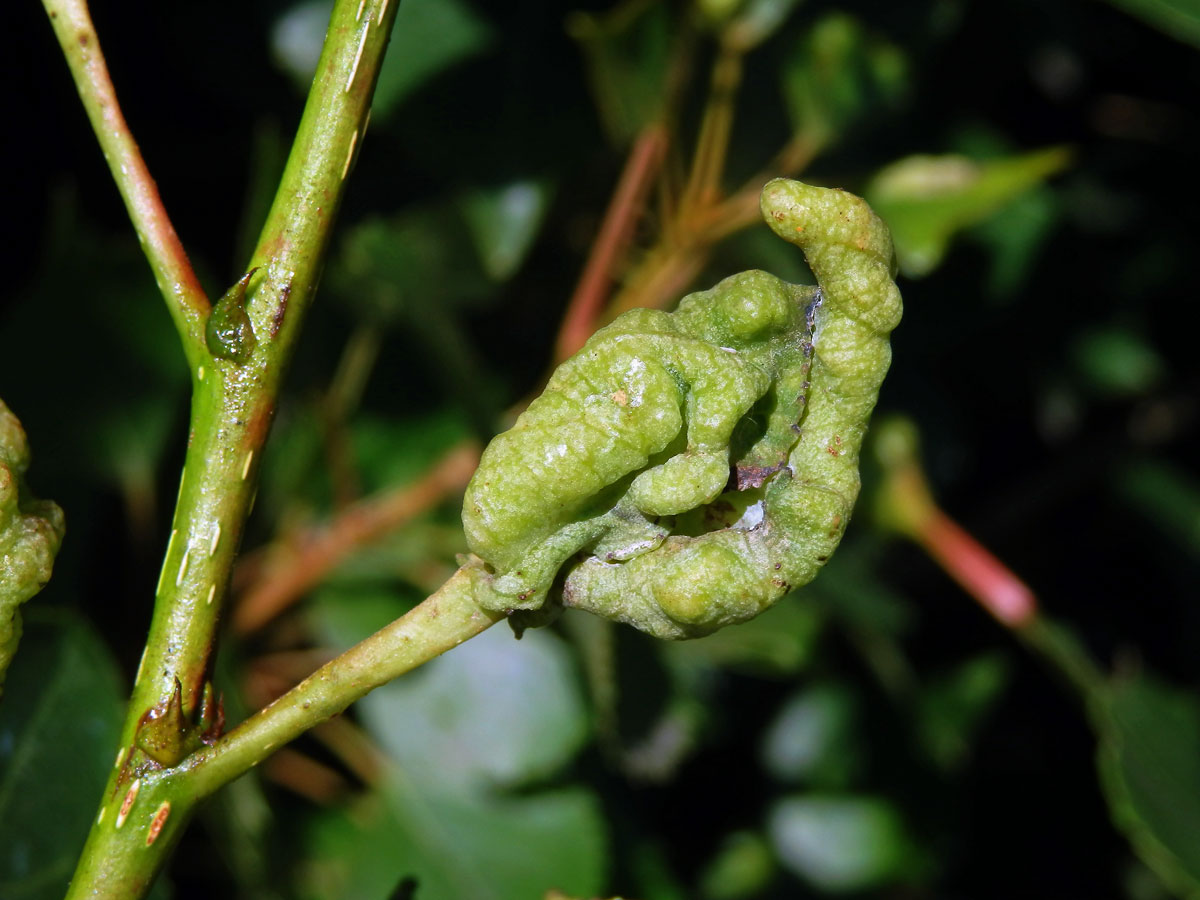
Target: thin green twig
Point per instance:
(441, 622)
(185, 297)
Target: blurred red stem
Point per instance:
(981, 574)
(303, 562)
(176, 279)
(616, 232)
(712, 145)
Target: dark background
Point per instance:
(1057, 409)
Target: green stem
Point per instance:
(292, 246)
(1060, 649)
(712, 145)
(185, 297)
(441, 622)
(171, 710)
(149, 813)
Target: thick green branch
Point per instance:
(172, 712)
(172, 270)
(293, 242)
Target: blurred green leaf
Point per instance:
(839, 75)
(1166, 496)
(504, 221)
(951, 709)
(392, 451)
(757, 20)
(1149, 760)
(411, 271)
(342, 615)
(293, 473)
(718, 11)
(483, 847)
(428, 37)
(1117, 362)
(493, 712)
(850, 590)
(839, 842)
(130, 443)
(127, 373)
(1015, 236)
(393, 270)
(1179, 19)
(59, 727)
(781, 641)
(297, 37)
(743, 866)
(814, 738)
(652, 872)
(627, 52)
(926, 200)
(415, 558)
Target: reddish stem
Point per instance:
(981, 574)
(616, 232)
(295, 568)
(176, 279)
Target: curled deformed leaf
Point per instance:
(30, 534)
(704, 462)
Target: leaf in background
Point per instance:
(59, 726)
(626, 51)
(410, 270)
(1117, 362)
(951, 709)
(95, 304)
(484, 848)
(840, 74)
(294, 476)
(1168, 497)
(814, 738)
(492, 714)
(297, 38)
(861, 601)
(393, 270)
(756, 20)
(841, 843)
(504, 221)
(342, 615)
(1179, 19)
(390, 451)
(926, 200)
(428, 37)
(780, 642)
(742, 867)
(130, 443)
(1149, 760)
(1015, 236)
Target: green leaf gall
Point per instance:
(30, 534)
(685, 470)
